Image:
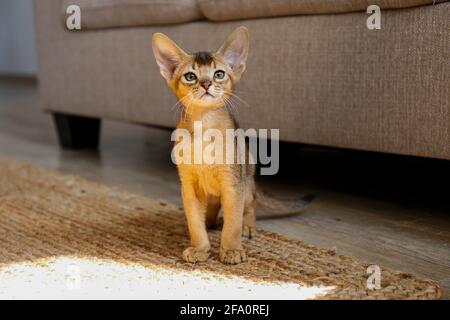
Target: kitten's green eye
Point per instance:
(219, 74)
(190, 76)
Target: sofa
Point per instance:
(315, 70)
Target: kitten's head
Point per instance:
(202, 79)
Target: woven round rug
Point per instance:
(62, 236)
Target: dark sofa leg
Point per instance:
(75, 132)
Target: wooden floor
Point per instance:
(389, 210)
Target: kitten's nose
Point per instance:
(205, 83)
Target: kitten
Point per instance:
(203, 82)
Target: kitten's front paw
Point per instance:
(232, 256)
(248, 231)
(194, 255)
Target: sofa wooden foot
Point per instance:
(76, 132)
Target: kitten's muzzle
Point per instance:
(205, 83)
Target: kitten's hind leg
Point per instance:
(249, 219)
(212, 210)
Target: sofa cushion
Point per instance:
(97, 14)
(222, 10)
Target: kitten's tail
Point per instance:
(276, 208)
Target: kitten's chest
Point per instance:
(208, 180)
(208, 150)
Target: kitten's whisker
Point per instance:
(224, 102)
(238, 102)
(230, 107)
(237, 97)
(230, 102)
(179, 105)
(179, 102)
(186, 111)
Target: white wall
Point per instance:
(17, 44)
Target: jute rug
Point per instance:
(64, 237)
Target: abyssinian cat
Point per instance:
(203, 82)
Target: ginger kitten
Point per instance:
(203, 82)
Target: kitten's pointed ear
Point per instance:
(235, 50)
(167, 54)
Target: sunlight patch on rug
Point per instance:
(81, 278)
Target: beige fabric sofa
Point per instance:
(314, 70)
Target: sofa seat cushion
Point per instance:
(223, 10)
(96, 14)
